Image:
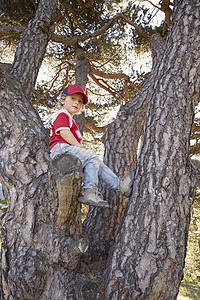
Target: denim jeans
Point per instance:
(93, 167)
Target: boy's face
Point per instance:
(72, 103)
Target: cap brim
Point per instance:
(85, 98)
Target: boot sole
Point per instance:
(92, 203)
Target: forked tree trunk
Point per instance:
(41, 234)
(121, 145)
(41, 245)
(148, 257)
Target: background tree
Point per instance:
(148, 256)
(103, 32)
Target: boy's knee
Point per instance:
(93, 157)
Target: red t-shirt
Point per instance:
(62, 120)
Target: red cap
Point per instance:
(75, 89)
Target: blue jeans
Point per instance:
(93, 167)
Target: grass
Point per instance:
(189, 290)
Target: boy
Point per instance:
(65, 137)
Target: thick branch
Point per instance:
(81, 73)
(32, 45)
(9, 31)
(158, 213)
(15, 31)
(122, 148)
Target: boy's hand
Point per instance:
(69, 138)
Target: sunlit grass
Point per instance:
(189, 290)
(3, 206)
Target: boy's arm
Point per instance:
(69, 138)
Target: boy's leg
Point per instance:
(107, 175)
(123, 185)
(56, 150)
(91, 164)
(89, 160)
(94, 169)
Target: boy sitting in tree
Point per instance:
(66, 138)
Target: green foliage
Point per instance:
(18, 12)
(190, 286)
(189, 290)
(192, 263)
(3, 206)
(107, 52)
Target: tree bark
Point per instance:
(81, 74)
(148, 257)
(41, 233)
(82, 67)
(121, 144)
(32, 46)
(41, 238)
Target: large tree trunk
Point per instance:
(121, 144)
(41, 234)
(148, 257)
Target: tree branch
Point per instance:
(35, 38)
(71, 41)
(9, 31)
(5, 66)
(15, 31)
(151, 3)
(52, 83)
(114, 76)
(92, 127)
(102, 86)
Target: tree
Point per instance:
(155, 224)
(41, 255)
(100, 40)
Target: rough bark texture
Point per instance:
(81, 74)
(121, 144)
(82, 67)
(32, 46)
(41, 238)
(148, 257)
(41, 234)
